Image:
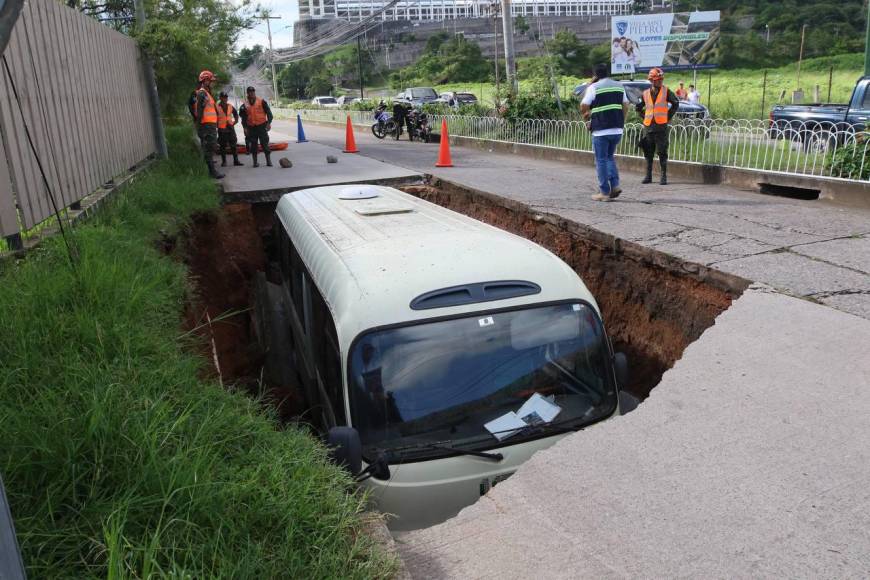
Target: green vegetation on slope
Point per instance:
(735, 93)
(119, 461)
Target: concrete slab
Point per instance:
(310, 169)
(857, 303)
(750, 459)
(853, 252)
(798, 275)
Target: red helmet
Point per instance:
(656, 74)
(206, 75)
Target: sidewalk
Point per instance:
(748, 460)
(808, 249)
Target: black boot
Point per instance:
(212, 171)
(268, 159)
(254, 155)
(664, 165)
(648, 177)
(223, 159)
(236, 161)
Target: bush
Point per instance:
(850, 161)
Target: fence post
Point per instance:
(830, 81)
(763, 92)
(710, 93)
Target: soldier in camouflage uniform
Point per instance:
(205, 114)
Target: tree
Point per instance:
(521, 25)
(248, 56)
(571, 53)
(182, 37)
(455, 60)
(343, 64)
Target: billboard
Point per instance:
(681, 40)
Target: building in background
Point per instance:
(437, 10)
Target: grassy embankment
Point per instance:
(119, 459)
(736, 93)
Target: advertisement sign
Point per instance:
(681, 40)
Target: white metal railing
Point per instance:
(804, 148)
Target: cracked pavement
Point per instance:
(809, 249)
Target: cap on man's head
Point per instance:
(601, 71)
(251, 90)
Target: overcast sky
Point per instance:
(282, 30)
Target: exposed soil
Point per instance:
(653, 305)
(223, 251)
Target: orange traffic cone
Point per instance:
(349, 141)
(444, 149)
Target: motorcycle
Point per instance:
(384, 125)
(419, 123)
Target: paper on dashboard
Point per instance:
(505, 426)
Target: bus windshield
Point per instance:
(465, 382)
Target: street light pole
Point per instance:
(508, 26)
(267, 18)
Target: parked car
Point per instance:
(692, 112)
(822, 125)
(327, 102)
(346, 100)
(417, 96)
(456, 100)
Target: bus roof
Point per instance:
(372, 255)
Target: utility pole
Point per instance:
(508, 26)
(267, 18)
(151, 84)
(359, 66)
(495, 7)
(801, 56)
(867, 45)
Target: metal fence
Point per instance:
(805, 148)
(82, 93)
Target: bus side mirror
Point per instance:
(345, 448)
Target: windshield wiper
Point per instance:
(446, 447)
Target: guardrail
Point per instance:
(800, 148)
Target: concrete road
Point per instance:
(749, 460)
(809, 249)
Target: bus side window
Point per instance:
(297, 275)
(324, 342)
(284, 245)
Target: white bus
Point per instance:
(437, 353)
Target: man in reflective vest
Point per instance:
(605, 106)
(657, 108)
(227, 119)
(257, 122)
(206, 119)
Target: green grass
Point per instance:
(735, 93)
(119, 461)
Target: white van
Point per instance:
(438, 353)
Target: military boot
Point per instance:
(212, 171)
(648, 177)
(664, 165)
